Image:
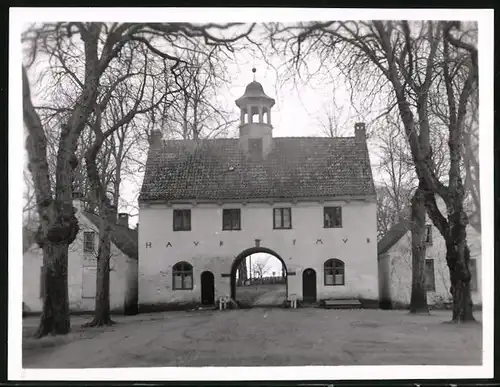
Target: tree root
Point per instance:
(99, 322)
(473, 321)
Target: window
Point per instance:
(182, 220)
(428, 234)
(231, 219)
(334, 272)
(255, 147)
(89, 241)
(333, 217)
(430, 283)
(473, 275)
(282, 218)
(182, 273)
(42, 282)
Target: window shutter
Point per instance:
(338, 216)
(277, 218)
(430, 282)
(473, 274)
(286, 217)
(187, 220)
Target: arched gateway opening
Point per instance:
(264, 282)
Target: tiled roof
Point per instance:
(296, 167)
(123, 237)
(393, 236)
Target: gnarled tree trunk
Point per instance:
(55, 317)
(458, 257)
(418, 302)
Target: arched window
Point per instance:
(334, 272)
(182, 273)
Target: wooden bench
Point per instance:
(341, 304)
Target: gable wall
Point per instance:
(78, 263)
(397, 266)
(156, 228)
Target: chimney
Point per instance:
(360, 132)
(112, 214)
(155, 138)
(123, 219)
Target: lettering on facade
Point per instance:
(196, 243)
(225, 275)
(221, 243)
(257, 243)
(148, 244)
(169, 244)
(291, 273)
(319, 241)
(344, 240)
(295, 240)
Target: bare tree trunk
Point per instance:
(457, 253)
(102, 315)
(58, 225)
(55, 317)
(418, 302)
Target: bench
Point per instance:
(341, 304)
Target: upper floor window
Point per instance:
(182, 273)
(231, 219)
(473, 274)
(428, 234)
(430, 282)
(182, 220)
(334, 272)
(282, 218)
(89, 241)
(332, 217)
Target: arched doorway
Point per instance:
(282, 273)
(207, 288)
(309, 286)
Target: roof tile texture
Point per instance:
(296, 167)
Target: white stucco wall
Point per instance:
(359, 255)
(395, 268)
(78, 262)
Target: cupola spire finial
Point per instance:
(253, 71)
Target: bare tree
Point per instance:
(409, 59)
(260, 268)
(196, 113)
(91, 47)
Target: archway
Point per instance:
(252, 251)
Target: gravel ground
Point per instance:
(264, 337)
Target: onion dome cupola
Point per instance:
(255, 118)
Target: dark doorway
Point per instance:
(207, 288)
(309, 286)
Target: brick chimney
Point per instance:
(360, 132)
(112, 214)
(123, 219)
(155, 138)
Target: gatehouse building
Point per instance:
(207, 204)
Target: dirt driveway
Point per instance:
(271, 337)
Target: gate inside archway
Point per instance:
(259, 278)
